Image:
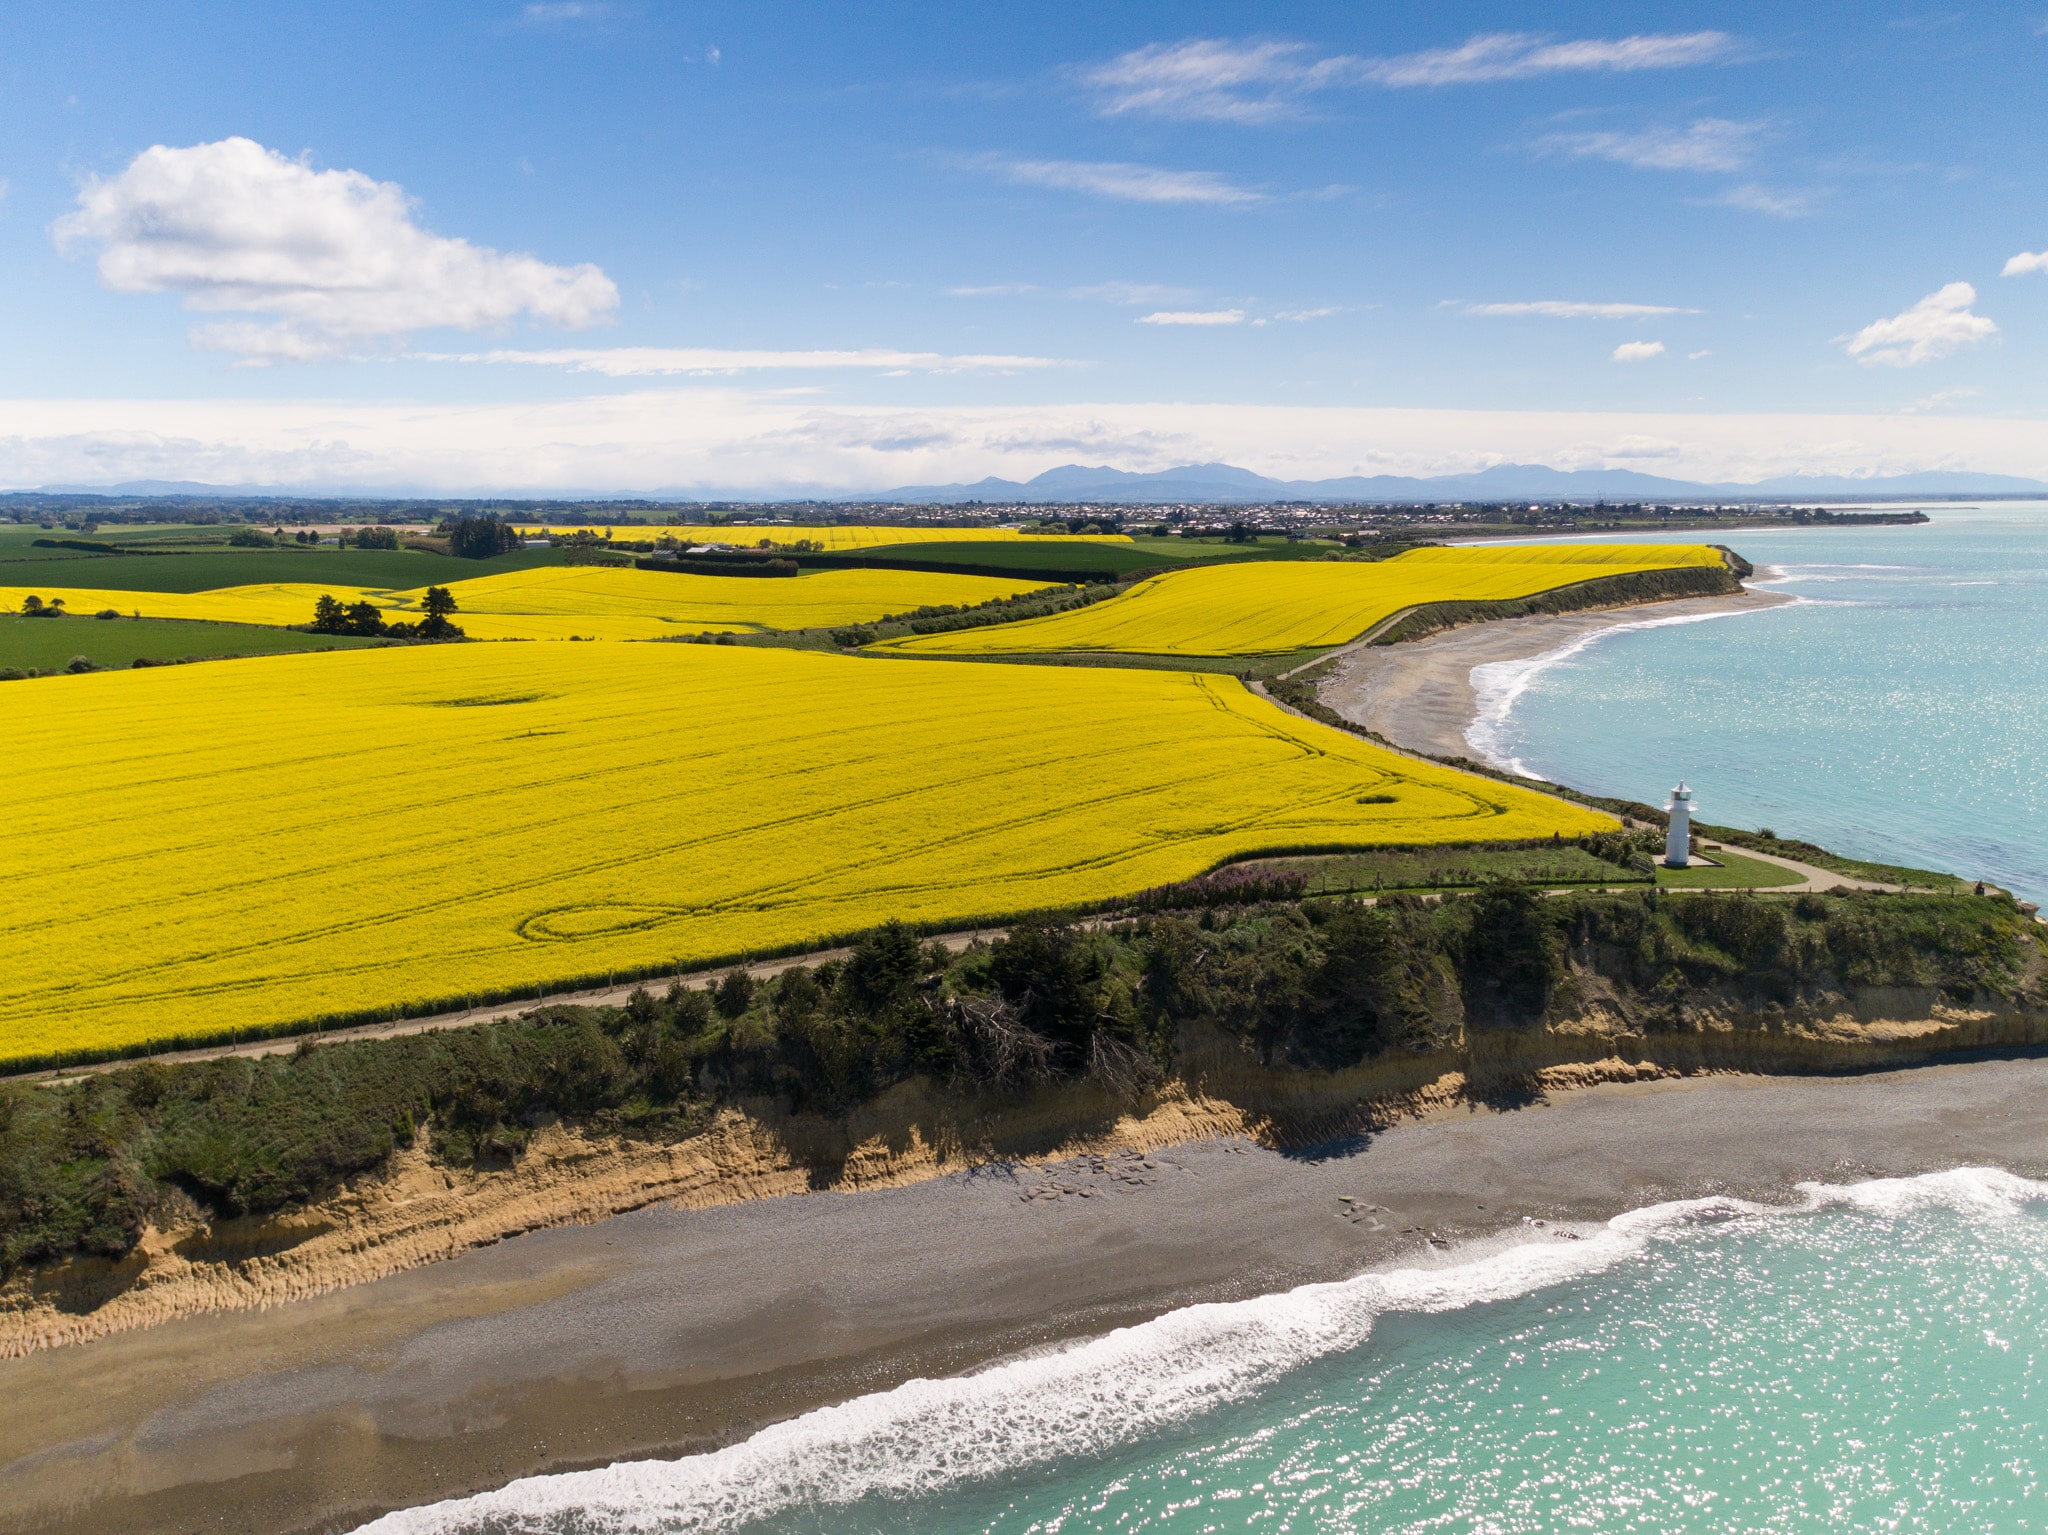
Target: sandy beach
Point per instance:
(1419, 695)
(666, 1331)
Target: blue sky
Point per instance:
(602, 245)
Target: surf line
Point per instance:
(1088, 1398)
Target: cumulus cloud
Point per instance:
(329, 260)
(1564, 309)
(655, 361)
(1209, 79)
(2018, 266)
(1638, 351)
(1192, 317)
(1938, 326)
(1119, 180)
(1707, 144)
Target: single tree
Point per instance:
(31, 604)
(329, 616)
(439, 603)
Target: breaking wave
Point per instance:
(929, 1435)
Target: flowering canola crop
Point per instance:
(1263, 609)
(307, 836)
(833, 539)
(592, 601)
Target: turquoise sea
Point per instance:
(1896, 710)
(1868, 1358)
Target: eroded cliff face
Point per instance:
(417, 1211)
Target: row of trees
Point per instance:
(332, 616)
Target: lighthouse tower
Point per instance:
(1678, 840)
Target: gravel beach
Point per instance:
(1419, 695)
(666, 1331)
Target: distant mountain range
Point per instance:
(1224, 483)
(1212, 484)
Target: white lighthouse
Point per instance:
(1678, 839)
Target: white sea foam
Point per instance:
(927, 1435)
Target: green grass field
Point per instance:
(48, 644)
(1735, 873)
(205, 570)
(1449, 868)
(1196, 551)
(1053, 556)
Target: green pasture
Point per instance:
(206, 570)
(1449, 868)
(48, 644)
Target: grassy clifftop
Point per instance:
(1498, 986)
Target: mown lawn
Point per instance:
(1736, 873)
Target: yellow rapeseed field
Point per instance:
(196, 850)
(832, 539)
(592, 601)
(1270, 608)
(555, 601)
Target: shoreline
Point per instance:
(669, 1331)
(1420, 696)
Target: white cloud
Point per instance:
(1520, 55)
(551, 12)
(1708, 144)
(1563, 309)
(655, 361)
(1939, 325)
(1132, 293)
(332, 258)
(993, 290)
(721, 437)
(1192, 317)
(1307, 314)
(1638, 351)
(1208, 79)
(2018, 266)
(1116, 179)
(1941, 399)
(1758, 199)
(1696, 356)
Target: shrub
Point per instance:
(734, 994)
